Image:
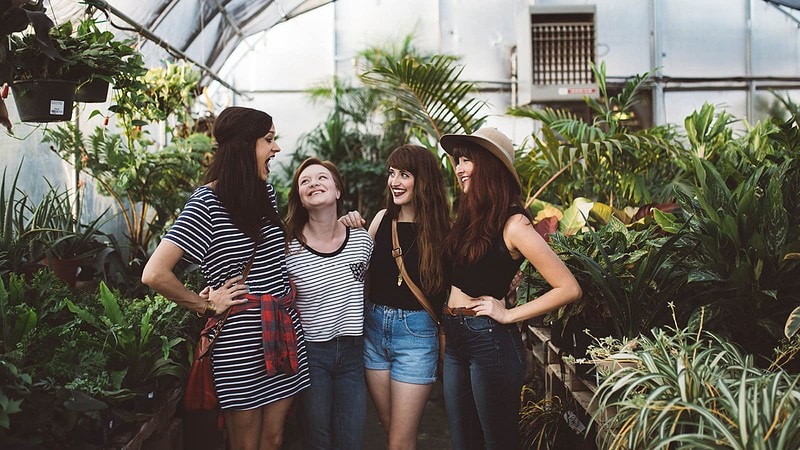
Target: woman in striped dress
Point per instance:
(327, 263)
(230, 219)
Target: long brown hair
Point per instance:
(432, 213)
(234, 169)
(483, 209)
(297, 215)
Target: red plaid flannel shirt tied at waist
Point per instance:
(277, 333)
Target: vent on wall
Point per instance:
(562, 47)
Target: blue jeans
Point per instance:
(404, 342)
(335, 406)
(484, 370)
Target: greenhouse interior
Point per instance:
(655, 145)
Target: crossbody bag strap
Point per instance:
(244, 278)
(397, 252)
(217, 323)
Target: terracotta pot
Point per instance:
(66, 269)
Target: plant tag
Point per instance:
(574, 422)
(57, 107)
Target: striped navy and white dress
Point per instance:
(206, 234)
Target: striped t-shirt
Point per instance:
(330, 286)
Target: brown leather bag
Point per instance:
(200, 393)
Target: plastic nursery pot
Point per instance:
(44, 100)
(94, 91)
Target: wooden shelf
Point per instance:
(560, 375)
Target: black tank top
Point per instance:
(492, 274)
(383, 271)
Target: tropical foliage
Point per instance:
(76, 362)
(627, 276)
(743, 236)
(605, 159)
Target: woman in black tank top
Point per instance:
(492, 235)
(401, 346)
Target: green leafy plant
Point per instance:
(603, 159)
(141, 352)
(14, 387)
(743, 240)
(17, 318)
(693, 389)
(104, 57)
(427, 95)
(627, 276)
(82, 53)
(14, 236)
(58, 232)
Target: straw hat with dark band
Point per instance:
(490, 139)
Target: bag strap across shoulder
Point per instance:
(397, 253)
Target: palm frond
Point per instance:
(428, 96)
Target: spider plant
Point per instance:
(694, 390)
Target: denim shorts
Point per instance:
(401, 341)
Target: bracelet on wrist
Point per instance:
(209, 310)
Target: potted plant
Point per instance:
(104, 60)
(60, 236)
(35, 72)
(44, 78)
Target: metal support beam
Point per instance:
(147, 34)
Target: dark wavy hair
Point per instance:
(431, 209)
(297, 215)
(483, 210)
(234, 169)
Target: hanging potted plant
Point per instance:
(30, 58)
(104, 60)
(44, 83)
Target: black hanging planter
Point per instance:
(94, 91)
(44, 100)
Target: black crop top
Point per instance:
(492, 274)
(383, 271)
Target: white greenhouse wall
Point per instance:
(686, 39)
(675, 39)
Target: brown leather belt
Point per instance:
(460, 311)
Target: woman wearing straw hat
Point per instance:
(484, 357)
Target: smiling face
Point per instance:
(266, 149)
(401, 185)
(317, 187)
(464, 172)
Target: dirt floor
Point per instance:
(433, 434)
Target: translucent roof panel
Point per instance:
(206, 31)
